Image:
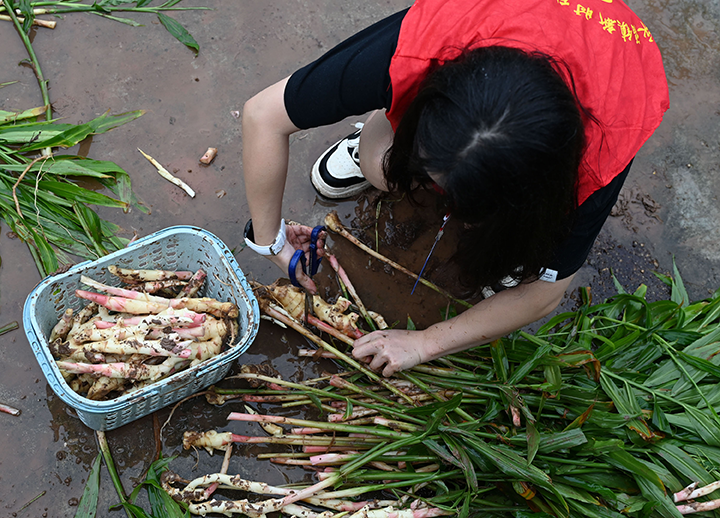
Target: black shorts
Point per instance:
(353, 79)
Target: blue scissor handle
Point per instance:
(315, 259)
(299, 256)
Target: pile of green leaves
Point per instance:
(604, 412)
(54, 217)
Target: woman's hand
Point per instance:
(396, 349)
(298, 238)
(489, 319)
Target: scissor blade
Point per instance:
(308, 305)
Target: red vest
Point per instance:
(614, 61)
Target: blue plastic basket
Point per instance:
(174, 248)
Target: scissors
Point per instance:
(315, 259)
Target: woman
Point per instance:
(526, 114)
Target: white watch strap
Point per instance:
(273, 248)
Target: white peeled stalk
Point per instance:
(165, 174)
(201, 351)
(9, 410)
(683, 495)
(48, 24)
(236, 482)
(94, 334)
(62, 328)
(121, 370)
(304, 512)
(164, 347)
(133, 276)
(104, 386)
(692, 491)
(270, 428)
(379, 319)
(391, 512)
(230, 507)
(169, 317)
(209, 156)
(698, 507)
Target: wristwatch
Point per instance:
(273, 248)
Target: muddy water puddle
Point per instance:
(95, 65)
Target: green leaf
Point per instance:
(87, 508)
(126, 21)
(113, 2)
(410, 324)
(601, 490)
(533, 441)
(683, 463)
(91, 224)
(533, 361)
(465, 509)
(658, 499)
(162, 505)
(74, 193)
(77, 133)
(618, 286)
(574, 493)
(659, 420)
(59, 168)
(47, 255)
(500, 360)
(442, 452)
(704, 425)
(678, 293)
(679, 336)
(169, 3)
(7, 117)
(37, 132)
(442, 407)
(461, 455)
(316, 401)
(700, 364)
(624, 461)
(592, 510)
(553, 378)
(26, 10)
(712, 312)
(564, 440)
(348, 410)
(177, 30)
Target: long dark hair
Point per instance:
(504, 134)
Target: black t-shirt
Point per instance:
(353, 78)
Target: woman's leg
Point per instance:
(375, 139)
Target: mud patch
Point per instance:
(631, 265)
(636, 209)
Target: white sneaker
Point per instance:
(337, 174)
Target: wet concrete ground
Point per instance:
(668, 208)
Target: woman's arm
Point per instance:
(488, 320)
(266, 131)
